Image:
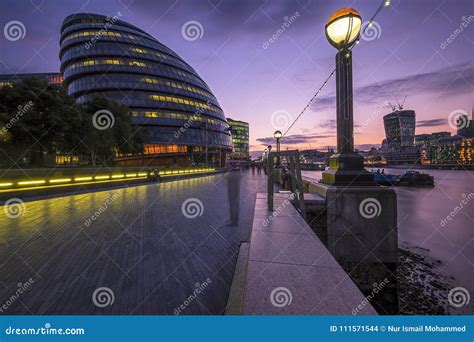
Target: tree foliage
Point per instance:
(38, 119)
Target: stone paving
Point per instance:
(139, 242)
(291, 272)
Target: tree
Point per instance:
(36, 117)
(107, 129)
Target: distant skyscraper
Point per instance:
(240, 138)
(400, 137)
(400, 129)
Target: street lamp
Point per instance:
(277, 135)
(346, 166)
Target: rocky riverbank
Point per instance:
(422, 290)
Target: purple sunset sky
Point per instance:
(252, 83)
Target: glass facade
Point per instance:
(400, 138)
(165, 95)
(240, 138)
(400, 129)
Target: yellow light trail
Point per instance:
(80, 179)
(32, 182)
(60, 180)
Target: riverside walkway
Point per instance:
(138, 242)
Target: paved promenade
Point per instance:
(153, 255)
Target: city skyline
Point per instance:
(255, 75)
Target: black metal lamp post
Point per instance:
(277, 135)
(346, 166)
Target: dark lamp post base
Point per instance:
(347, 169)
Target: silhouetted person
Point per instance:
(156, 176)
(285, 177)
(233, 193)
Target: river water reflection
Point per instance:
(423, 222)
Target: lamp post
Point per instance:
(277, 135)
(346, 166)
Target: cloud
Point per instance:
(295, 139)
(329, 124)
(431, 123)
(444, 82)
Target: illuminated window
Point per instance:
(136, 63)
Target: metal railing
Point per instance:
(290, 164)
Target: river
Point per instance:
(423, 222)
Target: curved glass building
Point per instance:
(183, 121)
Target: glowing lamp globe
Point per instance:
(343, 28)
(277, 135)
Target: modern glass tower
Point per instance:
(400, 133)
(183, 121)
(240, 138)
(400, 128)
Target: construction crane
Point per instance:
(399, 105)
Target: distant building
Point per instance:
(440, 148)
(465, 127)
(400, 129)
(422, 139)
(440, 135)
(7, 80)
(400, 137)
(240, 138)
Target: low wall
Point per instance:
(361, 233)
(38, 182)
